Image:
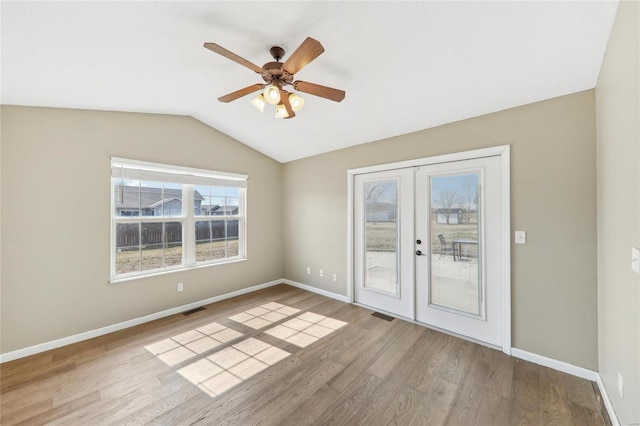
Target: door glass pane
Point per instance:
(455, 270)
(381, 235)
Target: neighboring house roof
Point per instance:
(164, 201)
(219, 209)
(132, 197)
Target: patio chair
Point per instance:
(444, 247)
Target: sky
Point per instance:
(456, 183)
(386, 191)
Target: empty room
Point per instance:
(320, 212)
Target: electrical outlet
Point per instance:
(620, 385)
(322, 272)
(308, 270)
(335, 277)
(180, 287)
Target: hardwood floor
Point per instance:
(342, 366)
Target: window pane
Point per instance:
(232, 201)
(203, 240)
(152, 256)
(200, 197)
(161, 245)
(173, 243)
(126, 197)
(151, 246)
(209, 200)
(127, 248)
(232, 238)
(455, 270)
(216, 239)
(151, 233)
(218, 246)
(381, 235)
(160, 199)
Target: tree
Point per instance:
(470, 193)
(380, 196)
(447, 200)
(373, 192)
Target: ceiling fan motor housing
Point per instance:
(273, 72)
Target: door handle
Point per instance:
(419, 253)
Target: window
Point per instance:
(167, 218)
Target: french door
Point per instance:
(384, 235)
(431, 245)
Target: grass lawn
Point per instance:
(155, 257)
(381, 236)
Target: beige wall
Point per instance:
(618, 153)
(55, 218)
(553, 198)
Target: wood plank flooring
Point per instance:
(367, 372)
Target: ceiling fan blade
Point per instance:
(230, 55)
(305, 53)
(240, 93)
(318, 90)
(284, 96)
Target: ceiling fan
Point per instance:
(277, 75)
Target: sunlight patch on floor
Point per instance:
(305, 329)
(182, 347)
(264, 315)
(225, 369)
(222, 370)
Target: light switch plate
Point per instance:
(635, 259)
(521, 237)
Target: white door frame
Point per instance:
(505, 156)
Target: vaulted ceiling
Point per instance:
(405, 66)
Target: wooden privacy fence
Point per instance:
(128, 234)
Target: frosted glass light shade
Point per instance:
(296, 102)
(272, 95)
(281, 111)
(259, 102)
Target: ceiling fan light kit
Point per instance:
(259, 102)
(272, 95)
(277, 75)
(281, 111)
(296, 102)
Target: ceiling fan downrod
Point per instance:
(277, 52)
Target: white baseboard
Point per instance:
(316, 290)
(574, 370)
(607, 402)
(42, 347)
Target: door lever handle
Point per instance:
(419, 253)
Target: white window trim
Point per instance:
(188, 177)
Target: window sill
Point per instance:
(172, 271)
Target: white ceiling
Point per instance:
(405, 66)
